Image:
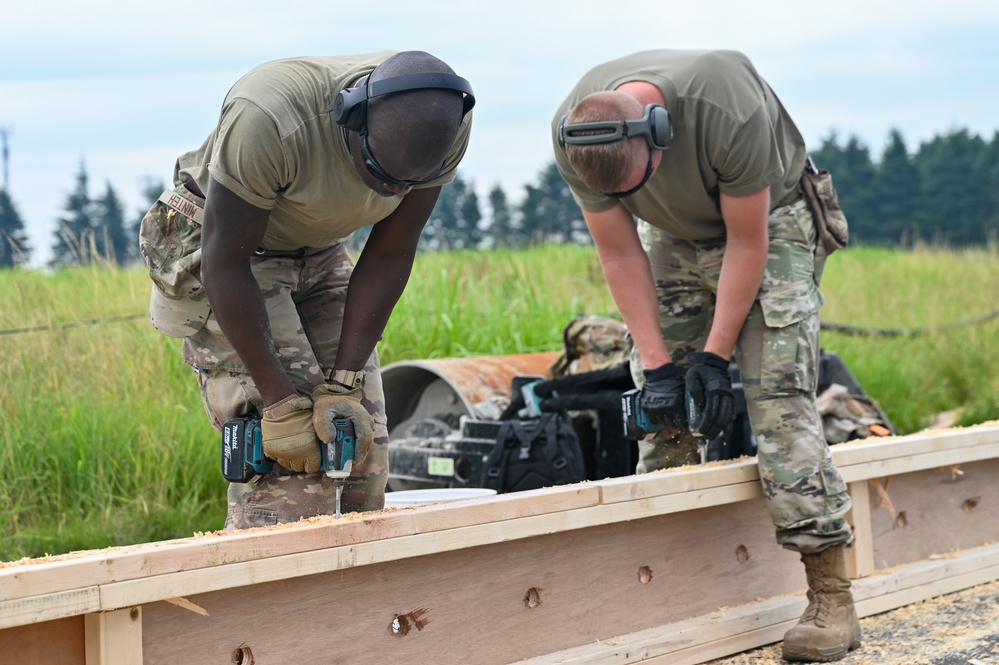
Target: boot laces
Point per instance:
(820, 602)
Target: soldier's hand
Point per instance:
(663, 395)
(710, 386)
(289, 437)
(333, 400)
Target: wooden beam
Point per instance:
(115, 638)
(860, 553)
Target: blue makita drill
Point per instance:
(243, 453)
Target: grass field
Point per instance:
(103, 440)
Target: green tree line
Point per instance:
(945, 191)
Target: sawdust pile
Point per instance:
(961, 628)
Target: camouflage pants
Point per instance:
(304, 293)
(777, 354)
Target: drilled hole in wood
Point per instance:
(971, 504)
(403, 623)
(133, 613)
(644, 574)
(901, 520)
(242, 655)
(741, 554)
(533, 597)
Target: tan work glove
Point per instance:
(289, 437)
(335, 401)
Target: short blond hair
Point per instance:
(604, 167)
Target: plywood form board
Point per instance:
(730, 630)
(930, 513)
(58, 642)
(495, 603)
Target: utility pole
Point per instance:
(4, 133)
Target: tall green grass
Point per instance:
(103, 440)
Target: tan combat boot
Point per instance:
(829, 627)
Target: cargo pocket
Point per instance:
(170, 244)
(832, 479)
(790, 301)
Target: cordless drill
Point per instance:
(243, 453)
(637, 422)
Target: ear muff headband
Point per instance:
(655, 126)
(350, 108)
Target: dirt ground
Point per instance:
(961, 628)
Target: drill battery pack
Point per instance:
(243, 450)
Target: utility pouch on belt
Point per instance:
(830, 222)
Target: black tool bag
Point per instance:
(534, 453)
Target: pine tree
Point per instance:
(454, 222)
(75, 241)
(14, 248)
(549, 212)
(501, 229)
(955, 199)
(898, 187)
(988, 170)
(112, 241)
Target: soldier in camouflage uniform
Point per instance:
(724, 262)
(249, 266)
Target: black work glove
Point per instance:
(663, 395)
(710, 387)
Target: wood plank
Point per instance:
(57, 642)
(878, 449)
(49, 606)
(860, 553)
(913, 463)
(678, 480)
(862, 451)
(22, 580)
(690, 641)
(115, 638)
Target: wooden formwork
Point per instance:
(678, 566)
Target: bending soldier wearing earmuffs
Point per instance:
(688, 170)
(249, 266)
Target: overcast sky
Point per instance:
(125, 87)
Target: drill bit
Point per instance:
(339, 492)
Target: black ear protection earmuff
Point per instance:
(350, 108)
(655, 126)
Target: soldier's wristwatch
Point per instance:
(345, 377)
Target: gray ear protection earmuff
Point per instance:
(655, 126)
(350, 108)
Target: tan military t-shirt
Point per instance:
(730, 134)
(278, 147)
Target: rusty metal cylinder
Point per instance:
(429, 389)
